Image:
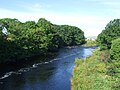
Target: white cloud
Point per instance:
(34, 7)
(112, 3)
(37, 5)
(107, 2)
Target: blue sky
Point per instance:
(89, 15)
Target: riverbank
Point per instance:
(95, 73)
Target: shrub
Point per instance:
(115, 49)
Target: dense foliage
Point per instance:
(71, 35)
(111, 32)
(110, 39)
(115, 59)
(96, 73)
(115, 50)
(20, 40)
(101, 70)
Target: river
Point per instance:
(52, 75)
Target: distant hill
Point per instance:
(92, 37)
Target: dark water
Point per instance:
(52, 75)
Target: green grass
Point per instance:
(93, 73)
(90, 43)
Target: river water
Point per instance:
(52, 75)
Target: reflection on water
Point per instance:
(52, 75)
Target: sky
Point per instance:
(91, 16)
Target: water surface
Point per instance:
(52, 75)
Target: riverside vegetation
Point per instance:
(20, 40)
(90, 43)
(101, 70)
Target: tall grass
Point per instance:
(94, 74)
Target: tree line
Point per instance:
(109, 40)
(19, 40)
(101, 70)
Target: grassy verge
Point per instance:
(95, 73)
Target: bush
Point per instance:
(114, 65)
(115, 49)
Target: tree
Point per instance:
(32, 38)
(115, 49)
(71, 35)
(111, 32)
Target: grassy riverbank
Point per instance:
(95, 73)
